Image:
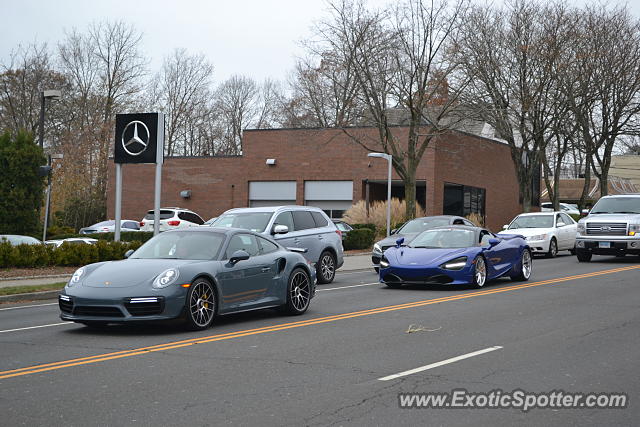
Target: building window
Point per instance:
(334, 213)
(463, 200)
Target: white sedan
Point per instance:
(546, 232)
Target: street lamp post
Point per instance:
(51, 157)
(389, 159)
(44, 95)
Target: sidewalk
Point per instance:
(351, 263)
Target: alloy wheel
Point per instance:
(527, 264)
(202, 304)
(327, 268)
(300, 290)
(480, 272)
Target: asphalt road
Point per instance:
(572, 327)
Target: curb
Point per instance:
(31, 296)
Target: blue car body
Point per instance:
(417, 265)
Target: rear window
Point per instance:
(303, 220)
(163, 215)
(319, 219)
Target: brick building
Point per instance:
(459, 173)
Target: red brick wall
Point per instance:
(218, 184)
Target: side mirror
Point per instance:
(394, 231)
(128, 253)
(280, 229)
(399, 242)
(493, 242)
(504, 227)
(560, 224)
(237, 256)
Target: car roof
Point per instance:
(271, 209)
(615, 196)
(538, 213)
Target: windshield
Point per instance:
(419, 225)
(532, 221)
(444, 238)
(181, 245)
(622, 205)
(254, 221)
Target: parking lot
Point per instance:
(572, 327)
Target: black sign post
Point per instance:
(139, 138)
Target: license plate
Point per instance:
(604, 244)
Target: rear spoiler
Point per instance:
(298, 250)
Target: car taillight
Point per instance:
(339, 233)
(173, 223)
(141, 223)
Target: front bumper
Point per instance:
(121, 305)
(426, 275)
(608, 246)
(539, 246)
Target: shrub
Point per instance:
(125, 236)
(357, 214)
(371, 227)
(359, 238)
(475, 218)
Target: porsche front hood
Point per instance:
(129, 272)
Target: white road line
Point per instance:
(28, 306)
(359, 271)
(35, 327)
(345, 287)
(435, 365)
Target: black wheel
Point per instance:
(377, 269)
(553, 248)
(95, 324)
(298, 292)
(201, 305)
(479, 272)
(524, 267)
(326, 269)
(583, 255)
(622, 255)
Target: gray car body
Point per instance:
(258, 282)
(315, 240)
(390, 241)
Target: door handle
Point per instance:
(265, 269)
(320, 237)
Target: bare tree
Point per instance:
(236, 101)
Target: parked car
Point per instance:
(171, 219)
(294, 226)
(194, 274)
(343, 227)
(411, 229)
(16, 239)
(567, 208)
(70, 241)
(110, 227)
(611, 228)
(456, 254)
(546, 232)
(210, 221)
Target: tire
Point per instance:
(583, 255)
(326, 269)
(201, 305)
(572, 251)
(298, 292)
(377, 269)
(479, 272)
(553, 248)
(622, 255)
(525, 266)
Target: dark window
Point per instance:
(285, 218)
(163, 214)
(131, 224)
(303, 220)
(463, 200)
(320, 220)
(267, 246)
(566, 219)
(244, 242)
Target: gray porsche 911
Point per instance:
(193, 275)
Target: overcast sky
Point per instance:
(255, 38)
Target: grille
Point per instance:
(144, 308)
(66, 305)
(98, 311)
(606, 229)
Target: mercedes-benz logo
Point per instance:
(135, 138)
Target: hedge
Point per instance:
(125, 236)
(26, 256)
(360, 226)
(359, 238)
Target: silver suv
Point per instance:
(611, 228)
(294, 226)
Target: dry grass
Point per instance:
(476, 219)
(357, 214)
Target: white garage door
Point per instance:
(334, 197)
(272, 193)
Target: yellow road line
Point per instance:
(309, 322)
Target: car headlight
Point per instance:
(537, 237)
(377, 249)
(166, 278)
(384, 262)
(634, 229)
(581, 228)
(455, 264)
(77, 276)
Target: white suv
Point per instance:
(171, 219)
